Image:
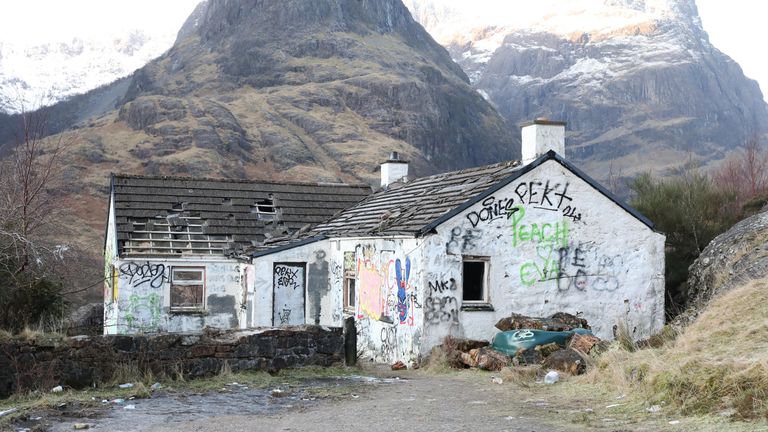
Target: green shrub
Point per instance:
(691, 211)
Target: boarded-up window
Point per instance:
(349, 281)
(187, 289)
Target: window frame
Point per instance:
(197, 282)
(349, 280)
(486, 295)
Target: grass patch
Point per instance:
(717, 366)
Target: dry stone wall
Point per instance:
(81, 361)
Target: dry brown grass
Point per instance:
(717, 364)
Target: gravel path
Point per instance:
(415, 402)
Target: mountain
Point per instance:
(280, 90)
(638, 81)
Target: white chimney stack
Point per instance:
(541, 136)
(393, 170)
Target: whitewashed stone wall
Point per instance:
(321, 289)
(140, 303)
(554, 244)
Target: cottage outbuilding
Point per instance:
(174, 251)
(453, 253)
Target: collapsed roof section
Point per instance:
(191, 216)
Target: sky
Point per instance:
(736, 27)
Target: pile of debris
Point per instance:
(560, 342)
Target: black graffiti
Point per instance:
(461, 239)
(287, 277)
(388, 340)
(439, 286)
(140, 274)
(548, 196)
(285, 316)
(493, 209)
(441, 309)
(572, 271)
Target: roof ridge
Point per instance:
(242, 181)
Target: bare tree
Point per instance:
(29, 173)
(744, 174)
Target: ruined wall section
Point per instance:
(553, 243)
(143, 296)
(390, 283)
(82, 361)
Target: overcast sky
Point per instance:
(736, 27)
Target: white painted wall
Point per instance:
(110, 273)
(603, 264)
(143, 295)
(322, 286)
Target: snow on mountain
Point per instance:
(31, 75)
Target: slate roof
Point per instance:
(417, 207)
(182, 216)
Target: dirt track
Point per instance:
(455, 402)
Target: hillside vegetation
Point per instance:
(717, 365)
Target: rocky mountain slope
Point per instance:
(638, 81)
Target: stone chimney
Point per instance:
(541, 136)
(393, 170)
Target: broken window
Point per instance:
(264, 209)
(349, 281)
(187, 289)
(475, 280)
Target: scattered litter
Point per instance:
(117, 401)
(551, 377)
(129, 407)
(613, 405)
(81, 426)
(62, 405)
(126, 386)
(8, 411)
(277, 393)
(156, 386)
(57, 389)
(497, 380)
(104, 401)
(36, 418)
(589, 410)
(674, 422)
(621, 396)
(354, 396)
(509, 418)
(653, 409)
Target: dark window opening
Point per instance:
(474, 281)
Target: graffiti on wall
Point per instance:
(142, 313)
(151, 275)
(386, 290)
(548, 195)
(462, 240)
(441, 305)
